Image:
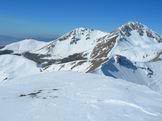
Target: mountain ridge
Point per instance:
(132, 48)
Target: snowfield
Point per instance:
(12, 66)
(71, 96)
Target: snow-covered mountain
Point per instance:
(85, 50)
(138, 42)
(25, 45)
(126, 84)
(136, 56)
(80, 40)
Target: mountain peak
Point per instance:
(80, 29)
(141, 29)
(132, 26)
(135, 23)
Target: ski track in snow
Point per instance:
(123, 103)
(94, 104)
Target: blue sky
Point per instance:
(23, 18)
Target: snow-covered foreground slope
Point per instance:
(25, 45)
(70, 96)
(12, 66)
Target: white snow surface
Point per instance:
(70, 96)
(12, 66)
(25, 45)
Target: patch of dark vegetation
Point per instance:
(74, 57)
(38, 58)
(17, 54)
(70, 58)
(4, 52)
(45, 63)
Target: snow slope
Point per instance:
(25, 45)
(147, 73)
(77, 41)
(12, 66)
(70, 96)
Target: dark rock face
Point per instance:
(101, 50)
(74, 40)
(4, 52)
(126, 29)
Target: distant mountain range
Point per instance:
(4, 39)
(7, 39)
